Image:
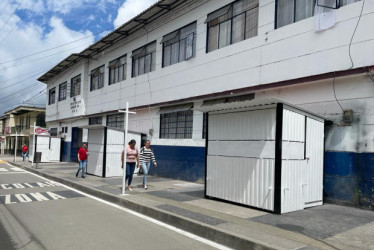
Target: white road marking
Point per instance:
(3, 170)
(162, 224)
(17, 169)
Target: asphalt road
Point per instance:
(39, 214)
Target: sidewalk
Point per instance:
(182, 205)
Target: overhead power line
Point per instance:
(6, 5)
(15, 25)
(10, 16)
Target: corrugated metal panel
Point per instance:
(293, 126)
(249, 149)
(314, 154)
(246, 125)
(293, 179)
(243, 180)
(55, 151)
(42, 145)
(96, 151)
(114, 147)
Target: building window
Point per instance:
(62, 88)
(95, 120)
(176, 125)
(117, 70)
(97, 78)
(40, 120)
(52, 96)
(75, 88)
(144, 59)
(115, 121)
(179, 45)
(291, 11)
(205, 117)
(231, 24)
(53, 131)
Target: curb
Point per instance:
(202, 230)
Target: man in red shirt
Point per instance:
(82, 159)
(25, 150)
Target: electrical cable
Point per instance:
(10, 16)
(354, 32)
(16, 83)
(333, 86)
(6, 5)
(41, 70)
(15, 25)
(40, 58)
(59, 46)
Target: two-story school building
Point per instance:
(178, 57)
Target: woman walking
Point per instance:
(132, 158)
(146, 155)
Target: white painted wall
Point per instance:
(290, 52)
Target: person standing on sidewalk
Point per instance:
(82, 159)
(146, 155)
(132, 158)
(25, 150)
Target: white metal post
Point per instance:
(15, 147)
(124, 145)
(33, 146)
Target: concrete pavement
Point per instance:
(182, 204)
(40, 214)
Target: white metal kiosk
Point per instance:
(105, 146)
(264, 154)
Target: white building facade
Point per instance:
(176, 55)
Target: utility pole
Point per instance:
(15, 147)
(124, 145)
(33, 145)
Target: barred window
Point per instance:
(144, 59)
(115, 121)
(232, 23)
(117, 70)
(95, 120)
(75, 86)
(97, 78)
(176, 125)
(52, 96)
(179, 45)
(62, 88)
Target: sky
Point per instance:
(35, 35)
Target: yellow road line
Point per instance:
(1, 161)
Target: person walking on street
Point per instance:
(25, 150)
(146, 155)
(132, 158)
(82, 159)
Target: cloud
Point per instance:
(26, 39)
(131, 8)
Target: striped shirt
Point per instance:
(146, 155)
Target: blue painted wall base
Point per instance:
(179, 162)
(349, 179)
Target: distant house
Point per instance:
(20, 120)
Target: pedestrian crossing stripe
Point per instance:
(3, 170)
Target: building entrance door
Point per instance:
(76, 143)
